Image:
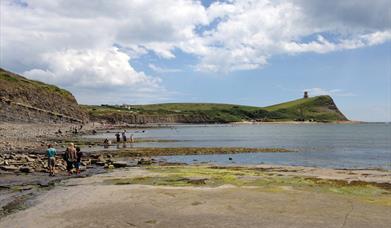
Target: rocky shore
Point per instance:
(110, 173)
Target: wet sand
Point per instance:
(99, 201)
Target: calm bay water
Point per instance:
(318, 145)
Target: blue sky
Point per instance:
(245, 52)
(361, 79)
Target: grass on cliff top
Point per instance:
(9, 80)
(320, 108)
(169, 108)
(193, 107)
(292, 104)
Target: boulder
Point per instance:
(109, 155)
(100, 163)
(86, 162)
(109, 166)
(101, 159)
(26, 169)
(120, 164)
(9, 168)
(34, 156)
(197, 181)
(144, 161)
(29, 159)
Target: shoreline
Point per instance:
(135, 169)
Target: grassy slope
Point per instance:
(321, 108)
(222, 113)
(8, 79)
(37, 94)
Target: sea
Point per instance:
(357, 146)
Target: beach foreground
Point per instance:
(210, 196)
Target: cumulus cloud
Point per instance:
(250, 32)
(91, 68)
(322, 45)
(51, 40)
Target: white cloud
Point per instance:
(332, 92)
(72, 43)
(250, 32)
(39, 36)
(99, 69)
(322, 45)
(163, 70)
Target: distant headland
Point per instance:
(24, 100)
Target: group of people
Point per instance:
(72, 157)
(124, 138)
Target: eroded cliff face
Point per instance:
(145, 119)
(23, 100)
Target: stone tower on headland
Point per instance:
(305, 95)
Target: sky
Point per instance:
(250, 52)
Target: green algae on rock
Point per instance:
(180, 176)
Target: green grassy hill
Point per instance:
(319, 109)
(34, 94)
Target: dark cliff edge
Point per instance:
(24, 100)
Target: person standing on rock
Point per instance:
(117, 135)
(70, 157)
(79, 154)
(51, 153)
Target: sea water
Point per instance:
(317, 145)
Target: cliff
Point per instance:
(24, 100)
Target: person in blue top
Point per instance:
(51, 153)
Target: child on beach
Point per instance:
(51, 153)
